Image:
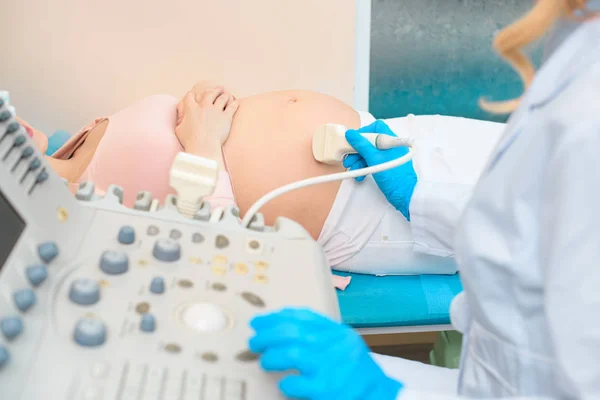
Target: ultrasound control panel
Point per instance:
(99, 301)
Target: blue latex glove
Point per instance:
(397, 184)
(332, 360)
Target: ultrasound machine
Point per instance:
(103, 302)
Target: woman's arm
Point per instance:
(202, 129)
(204, 125)
(209, 147)
(30, 130)
(39, 138)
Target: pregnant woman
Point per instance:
(266, 143)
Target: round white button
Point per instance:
(205, 317)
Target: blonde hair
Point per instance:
(531, 27)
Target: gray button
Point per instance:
(117, 192)
(175, 234)
(126, 235)
(209, 357)
(157, 286)
(173, 348)
(24, 299)
(142, 308)
(247, 356)
(257, 223)
(221, 242)
(203, 214)
(143, 201)
(185, 283)
(197, 238)
(47, 251)
(114, 262)
(4, 356)
(253, 299)
(90, 332)
(152, 230)
(148, 323)
(86, 191)
(11, 327)
(36, 274)
(219, 287)
(166, 250)
(84, 292)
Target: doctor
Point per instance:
(527, 245)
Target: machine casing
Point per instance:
(243, 272)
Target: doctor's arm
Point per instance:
(570, 253)
(571, 250)
(330, 359)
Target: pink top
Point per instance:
(136, 153)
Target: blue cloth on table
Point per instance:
(383, 301)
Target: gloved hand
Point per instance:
(397, 184)
(332, 360)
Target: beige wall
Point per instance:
(68, 61)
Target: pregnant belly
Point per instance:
(270, 145)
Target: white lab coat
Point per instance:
(527, 246)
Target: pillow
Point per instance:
(56, 141)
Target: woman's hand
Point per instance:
(205, 119)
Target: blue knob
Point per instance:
(4, 356)
(48, 251)
(157, 285)
(90, 332)
(4, 116)
(166, 250)
(126, 235)
(114, 262)
(27, 152)
(42, 177)
(148, 323)
(37, 274)
(84, 292)
(12, 127)
(24, 299)
(19, 140)
(34, 164)
(11, 327)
